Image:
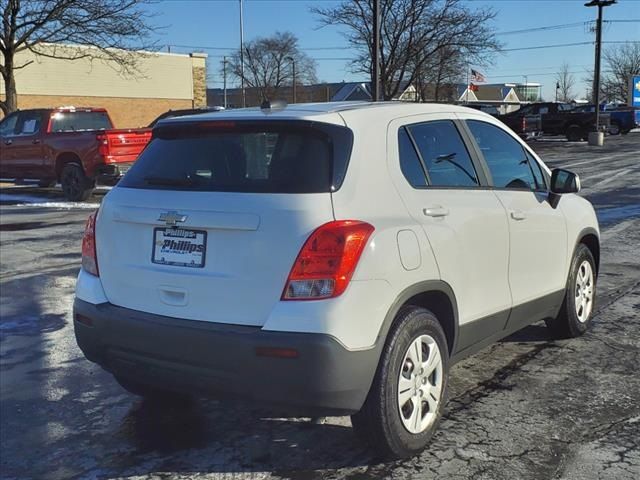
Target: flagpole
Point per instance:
(466, 93)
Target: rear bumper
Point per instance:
(202, 357)
(111, 173)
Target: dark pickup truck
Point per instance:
(557, 119)
(622, 119)
(74, 146)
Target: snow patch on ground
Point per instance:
(37, 201)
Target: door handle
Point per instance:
(8, 142)
(518, 215)
(435, 211)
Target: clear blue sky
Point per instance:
(215, 24)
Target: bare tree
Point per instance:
(565, 81)
(112, 29)
(622, 61)
(269, 61)
(412, 33)
(436, 79)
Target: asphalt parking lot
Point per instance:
(528, 407)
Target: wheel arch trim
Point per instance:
(425, 287)
(584, 233)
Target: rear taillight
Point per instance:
(103, 145)
(89, 257)
(524, 124)
(327, 260)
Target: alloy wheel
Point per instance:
(584, 291)
(420, 384)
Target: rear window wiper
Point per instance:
(171, 182)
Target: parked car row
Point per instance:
(80, 148)
(575, 123)
(77, 147)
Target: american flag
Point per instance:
(476, 76)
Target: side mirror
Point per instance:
(564, 181)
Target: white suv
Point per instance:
(331, 259)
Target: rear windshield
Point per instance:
(79, 121)
(268, 157)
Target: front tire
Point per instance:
(577, 308)
(75, 184)
(405, 402)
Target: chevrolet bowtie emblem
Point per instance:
(172, 218)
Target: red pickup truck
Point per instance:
(77, 147)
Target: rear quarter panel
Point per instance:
(368, 194)
(82, 145)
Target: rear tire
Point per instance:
(576, 313)
(574, 133)
(75, 184)
(405, 402)
(614, 128)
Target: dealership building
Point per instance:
(160, 82)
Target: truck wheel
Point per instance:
(75, 185)
(150, 393)
(405, 402)
(574, 133)
(614, 128)
(576, 312)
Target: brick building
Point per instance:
(163, 81)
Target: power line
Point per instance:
(563, 26)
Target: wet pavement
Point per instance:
(529, 407)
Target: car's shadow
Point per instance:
(230, 438)
(237, 437)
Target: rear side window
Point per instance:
(505, 157)
(79, 121)
(444, 154)
(409, 161)
(267, 157)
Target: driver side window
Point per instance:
(8, 125)
(505, 157)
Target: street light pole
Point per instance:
(596, 71)
(376, 52)
(244, 97)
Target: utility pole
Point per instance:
(244, 96)
(224, 76)
(293, 67)
(376, 52)
(293, 72)
(596, 71)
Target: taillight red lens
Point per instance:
(103, 145)
(89, 256)
(327, 260)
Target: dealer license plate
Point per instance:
(179, 247)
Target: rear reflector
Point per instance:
(84, 320)
(276, 352)
(327, 260)
(89, 257)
